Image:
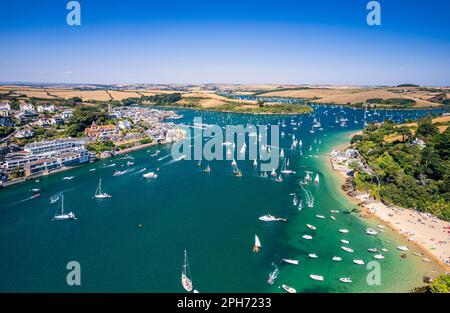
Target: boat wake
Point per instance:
(309, 196)
(174, 161)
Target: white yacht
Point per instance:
(99, 194)
(403, 248)
(371, 231)
(307, 237)
(150, 175)
(313, 256)
(347, 249)
(271, 218)
(337, 258)
(378, 257)
(316, 277)
(358, 262)
(344, 231)
(64, 216)
(186, 279)
(290, 261)
(288, 289)
(345, 280)
(311, 227)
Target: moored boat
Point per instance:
(257, 245)
(316, 277)
(288, 289)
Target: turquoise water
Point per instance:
(213, 216)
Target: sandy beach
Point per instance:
(426, 232)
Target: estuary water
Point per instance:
(134, 241)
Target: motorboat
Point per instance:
(347, 249)
(291, 261)
(288, 289)
(271, 218)
(316, 277)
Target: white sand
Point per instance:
(422, 229)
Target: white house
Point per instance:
(46, 108)
(24, 107)
(25, 133)
(66, 114)
(124, 124)
(419, 142)
(4, 106)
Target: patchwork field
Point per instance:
(359, 95)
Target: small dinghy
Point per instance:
(288, 289)
(316, 277)
(290, 261)
(345, 280)
(347, 249)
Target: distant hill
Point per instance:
(408, 85)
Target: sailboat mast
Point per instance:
(62, 204)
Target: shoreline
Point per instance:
(68, 168)
(399, 220)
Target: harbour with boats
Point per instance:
(137, 222)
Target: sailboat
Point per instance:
(207, 169)
(255, 163)
(257, 245)
(62, 216)
(284, 168)
(273, 173)
(244, 146)
(186, 279)
(308, 176)
(99, 194)
(316, 179)
(282, 153)
(233, 163)
(279, 179)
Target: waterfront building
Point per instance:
(60, 145)
(101, 131)
(40, 166)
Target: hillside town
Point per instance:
(24, 154)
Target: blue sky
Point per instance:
(287, 42)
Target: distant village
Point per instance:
(127, 128)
